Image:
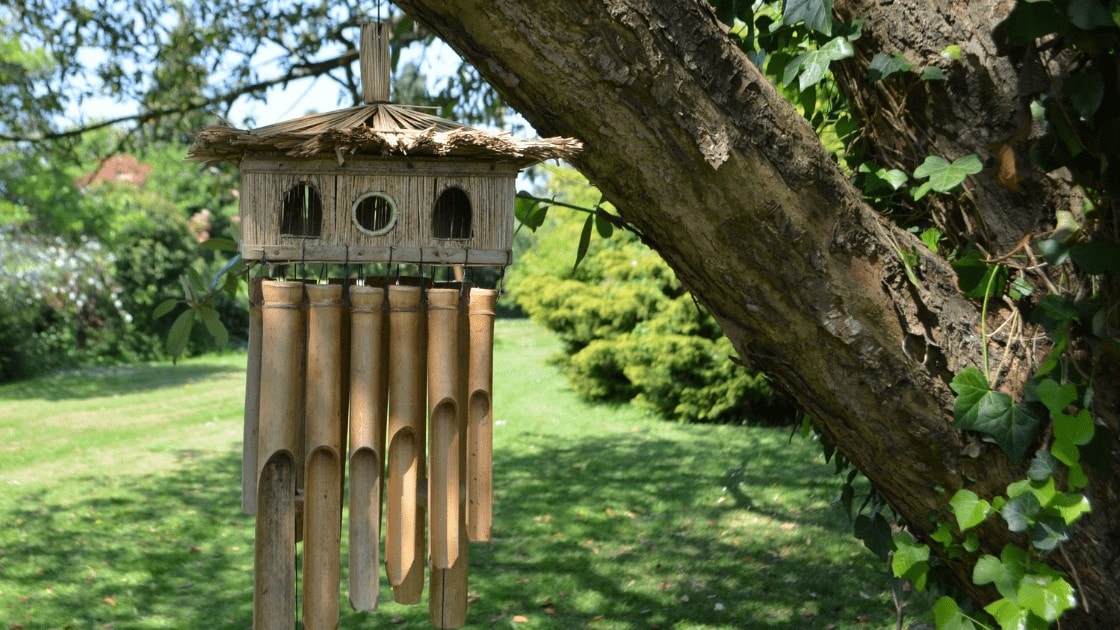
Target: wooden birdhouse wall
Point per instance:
(425, 229)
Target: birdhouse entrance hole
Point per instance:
(451, 216)
(374, 213)
(302, 214)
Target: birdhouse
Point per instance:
(379, 387)
(377, 183)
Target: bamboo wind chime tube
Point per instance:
(480, 421)
(282, 384)
(369, 395)
(447, 604)
(443, 426)
(252, 400)
(322, 517)
(404, 526)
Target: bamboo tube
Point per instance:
(404, 526)
(252, 401)
(447, 604)
(369, 395)
(480, 419)
(282, 336)
(343, 382)
(443, 427)
(323, 488)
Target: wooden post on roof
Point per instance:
(374, 62)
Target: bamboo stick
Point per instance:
(369, 395)
(404, 527)
(323, 487)
(480, 414)
(447, 604)
(443, 429)
(252, 401)
(281, 380)
(344, 381)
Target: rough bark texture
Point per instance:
(733, 189)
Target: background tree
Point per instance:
(857, 318)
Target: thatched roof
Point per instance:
(379, 129)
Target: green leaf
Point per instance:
(602, 223)
(1048, 532)
(812, 66)
(1046, 598)
(530, 212)
(932, 73)
(1070, 506)
(219, 244)
(1076, 429)
(817, 14)
(991, 570)
(1088, 14)
(1096, 258)
(952, 51)
(1030, 20)
(1009, 615)
(180, 333)
(944, 176)
(883, 65)
(1043, 466)
(979, 279)
(1020, 511)
(1019, 288)
(1085, 92)
(911, 560)
(931, 237)
(164, 307)
(947, 615)
(1054, 251)
(214, 325)
(969, 509)
(584, 241)
(1056, 397)
(978, 408)
(875, 532)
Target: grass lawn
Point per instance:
(120, 508)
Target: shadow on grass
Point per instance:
(627, 533)
(116, 380)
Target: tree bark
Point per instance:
(733, 189)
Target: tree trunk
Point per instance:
(734, 190)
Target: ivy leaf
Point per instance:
(980, 409)
(875, 532)
(1046, 598)
(991, 570)
(932, 73)
(1030, 20)
(969, 509)
(947, 615)
(1049, 532)
(931, 237)
(812, 66)
(1088, 14)
(883, 65)
(979, 279)
(1043, 466)
(817, 14)
(1076, 429)
(944, 176)
(1070, 506)
(1019, 511)
(1096, 258)
(911, 560)
(584, 240)
(1085, 92)
(1056, 397)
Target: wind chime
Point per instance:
(386, 376)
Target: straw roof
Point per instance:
(378, 129)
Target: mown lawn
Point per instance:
(120, 508)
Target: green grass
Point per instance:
(120, 508)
